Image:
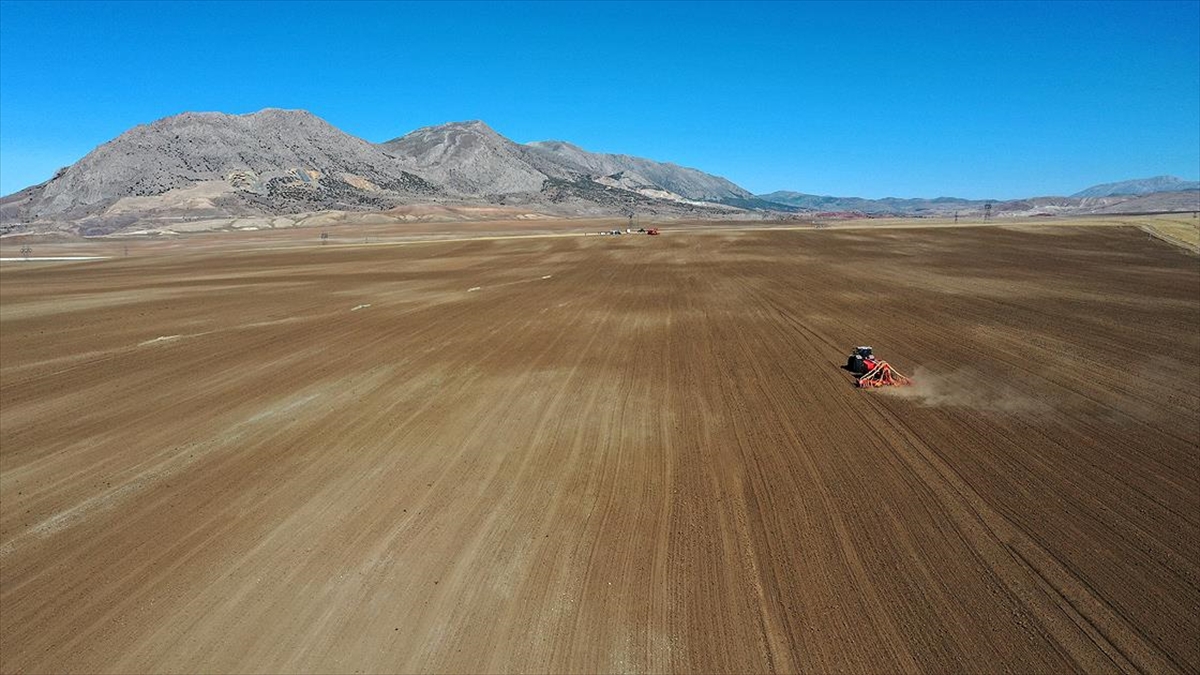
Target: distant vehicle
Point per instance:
(652, 231)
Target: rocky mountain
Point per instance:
(1155, 202)
(471, 159)
(214, 168)
(198, 166)
(1140, 186)
(687, 183)
(203, 164)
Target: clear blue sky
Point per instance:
(994, 100)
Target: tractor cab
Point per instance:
(861, 361)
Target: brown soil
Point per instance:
(341, 459)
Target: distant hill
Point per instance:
(471, 159)
(197, 166)
(687, 183)
(888, 205)
(1140, 186)
(1157, 194)
(1186, 200)
(209, 169)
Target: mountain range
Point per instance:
(213, 167)
(1187, 199)
(1144, 186)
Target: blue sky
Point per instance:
(981, 100)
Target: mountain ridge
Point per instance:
(1158, 193)
(277, 162)
(1139, 186)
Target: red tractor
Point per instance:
(870, 371)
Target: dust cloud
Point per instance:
(965, 388)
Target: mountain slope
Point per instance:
(1139, 186)
(214, 167)
(687, 183)
(470, 158)
(273, 161)
(472, 161)
(217, 167)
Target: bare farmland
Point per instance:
(606, 454)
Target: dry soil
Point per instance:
(606, 454)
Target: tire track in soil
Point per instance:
(647, 460)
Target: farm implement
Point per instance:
(870, 371)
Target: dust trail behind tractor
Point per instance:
(870, 371)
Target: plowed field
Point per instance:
(606, 454)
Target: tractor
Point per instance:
(870, 371)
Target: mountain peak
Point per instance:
(686, 182)
(281, 112)
(471, 124)
(476, 127)
(555, 145)
(275, 157)
(469, 157)
(1139, 186)
(266, 114)
(276, 161)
